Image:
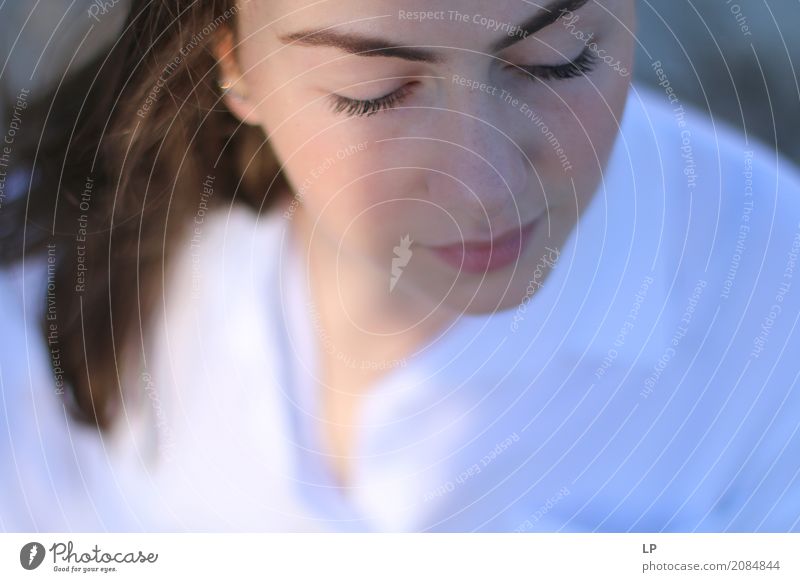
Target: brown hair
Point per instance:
(121, 150)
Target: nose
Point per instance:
(481, 172)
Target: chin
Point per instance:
(508, 288)
(496, 293)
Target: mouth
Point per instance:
(483, 256)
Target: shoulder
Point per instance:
(22, 365)
(703, 155)
(728, 206)
(727, 235)
(22, 300)
(704, 158)
(40, 450)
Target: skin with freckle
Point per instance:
(466, 139)
(475, 147)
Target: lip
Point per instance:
(480, 257)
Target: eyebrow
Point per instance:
(369, 46)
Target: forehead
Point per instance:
(342, 11)
(469, 24)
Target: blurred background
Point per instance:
(737, 59)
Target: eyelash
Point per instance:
(582, 64)
(367, 107)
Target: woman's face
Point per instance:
(459, 122)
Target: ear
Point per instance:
(236, 99)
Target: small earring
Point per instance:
(227, 89)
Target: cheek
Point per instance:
(377, 202)
(585, 122)
(348, 188)
(345, 177)
(601, 117)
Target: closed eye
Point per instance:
(582, 64)
(367, 107)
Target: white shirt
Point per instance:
(649, 385)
